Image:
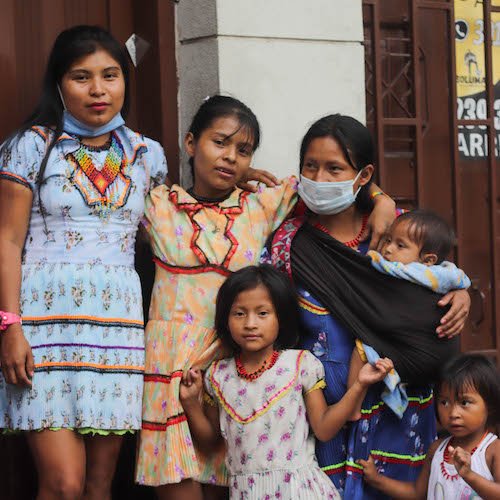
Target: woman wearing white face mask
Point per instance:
(72, 184)
(321, 252)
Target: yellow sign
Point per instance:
(471, 74)
(469, 47)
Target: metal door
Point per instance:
(423, 130)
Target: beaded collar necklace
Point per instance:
(446, 458)
(266, 365)
(351, 243)
(101, 178)
(96, 149)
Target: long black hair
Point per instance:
(356, 143)
(69, 46)
(282, 295)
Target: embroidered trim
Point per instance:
(412, 401)
(192, 207)
(95, 367)
(161, 378)
(88, 320)
(193, 269)
(330, 470)
(195, 206)
(267, 405)
(90, 346)
(4, 174)
(159, 426)
(320, 384)
(313, 308)
(396, 458)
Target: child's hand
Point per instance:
(461, 460)
(370, 374)
(191, 387)
(370, 473)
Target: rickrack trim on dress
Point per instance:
(267, 405)
(162, 426)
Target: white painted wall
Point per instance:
(291, 61)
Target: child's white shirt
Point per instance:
(444, 481)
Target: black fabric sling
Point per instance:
(394, 316)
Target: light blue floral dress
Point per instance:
(80, 295)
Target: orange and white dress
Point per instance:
(196, 246)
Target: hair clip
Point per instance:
(206, 98)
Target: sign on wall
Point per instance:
(471, 76)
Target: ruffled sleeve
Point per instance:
(157, 213)
(20, 159)
(157, 164)
(277, 202)
(312, 373)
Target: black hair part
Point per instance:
(356, 143)
(430, 232)
(282, 295)
(69, 46)
(477, 372)
(219, 106)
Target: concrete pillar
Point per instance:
(291, 61)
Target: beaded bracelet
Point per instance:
(375, 194)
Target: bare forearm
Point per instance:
(202, 430)
(10, 276)
(488, 490)
(396, 489)
(335, 416)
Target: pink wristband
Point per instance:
(7, 319)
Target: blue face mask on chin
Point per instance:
(73, 126)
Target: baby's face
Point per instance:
(398, 247)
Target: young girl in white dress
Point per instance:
(466, 464)
(266, 400)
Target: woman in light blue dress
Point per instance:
(72, 184)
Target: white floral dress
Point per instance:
(80, 295)
(270, 446)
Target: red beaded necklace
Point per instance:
(446, 458)
(351, 243)
(266, 365)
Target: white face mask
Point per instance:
(328, 198)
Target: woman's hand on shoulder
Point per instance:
(16, 357)
(453, 322)
(371, 374)
(255, 174)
